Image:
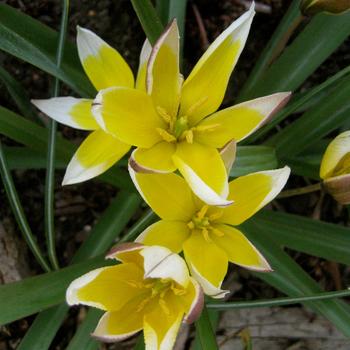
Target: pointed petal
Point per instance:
(336, 157)
(168, 234)
(207, 262)
(155, 159)
(141, 73)
(228, 155)
(194, 301)
(128, 252)
(71, 111)
(204, 171)
(161, 328)
(204, 89)
(252, 192)
(104, 66)
(163, 73)
(160, 262)
(106, 288)
(129, 115)
(98, 152)
(339, 188)
(167, 194)
(239, 249)
(118, 325)
(240, 121)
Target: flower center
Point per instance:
(203, 223)
(178, 128)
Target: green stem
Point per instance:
(148, 18)
(300, 191)
(278, 301)
(18, 211)
(205, 333)
(51, 152)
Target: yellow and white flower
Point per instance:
(151, 290)
(206, 234)
(335, 168)
(173, 124)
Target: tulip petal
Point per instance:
(193, 301)
(207, 262)
(160, 262)
(339, 188)
(160, 328)
(239, 249)
(104, 66)
(168, 234)
(163, 73)
(252, 192)
(127, 252)
(240, 121)
(336, 156)
(228, 155)
(167, 194)
(141, 73)
(129, 115)
(155, 159)
(98, 152)
(106, 288)
(118, 325)
(204, 89)
(204, 171)
(71, 111)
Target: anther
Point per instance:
(165, 135)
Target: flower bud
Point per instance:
(312, 7)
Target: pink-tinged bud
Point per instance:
(339, 188)
(312, 7)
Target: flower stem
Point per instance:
(51, 151)
(301, 190)
(278, 301)
(18, 211)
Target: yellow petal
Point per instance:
(128, 114)
(167, 194)
(160, 262)
(207, 262)
(155, 159)
(141, 73)
(204, 89)
(336, 160)
(128, 252)
(228, 155)
(239, 249)
(240, 121)
(169, 234)
(96, 154)
(204, 171)
(104, 66)
(252, 192)
(71, 111)
(107, 288)
(163, 74)
(161, 328)
(193, 301)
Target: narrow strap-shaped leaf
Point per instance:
(291, 279)
(38, 46)
(205, 332)
(162, 7)
(18, 212)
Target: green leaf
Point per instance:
(320, 38)
(290, 278)
(162, 7)
(106, 230)
(318, 238)
(18, 94)
(315, 123)
(32, 135)
(253, 158)
(38, 47)
(205, 333)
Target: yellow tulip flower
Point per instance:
(206, 233)
(335, 168)
(151, 290)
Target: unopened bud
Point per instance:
(339, 188)
(312, 7)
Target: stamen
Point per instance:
(210, 127)
(205, 234)
(164, 114)
(164, 306)
(196, 105)
(165, 135)
(216, 215)
(217, 232)
(202, 212)
(191, 225)
(188, 136)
